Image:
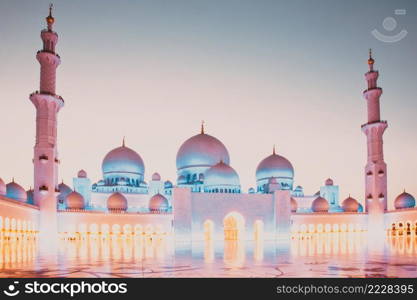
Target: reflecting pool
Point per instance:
(315, 255)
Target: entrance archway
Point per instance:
(234, 226)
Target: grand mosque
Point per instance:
(205, 201)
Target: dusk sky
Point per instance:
(259, 73)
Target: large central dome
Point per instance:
(201, 150)
(123, 162)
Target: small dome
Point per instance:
(158, 203)
(404, 200)
(202, 150)
(15, 191)
(82, 174)
(74, 200)
(320, 205)
(2, 188)
(328, 181)
(64, 189)
(360, 208)
(275, 166)
(221, 174)
(350, 205)
(251, 190)
(156, 177)
(168, 184)
(294, 205)
(117, 202)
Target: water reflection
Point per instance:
(314, 255)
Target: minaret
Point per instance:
(47, 105)
(376, 169)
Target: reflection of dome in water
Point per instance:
(117, 202)
(201, 150)
(158, 203)
(123, 162)
(74, 200)
(404, 200)
(350, 205)
(16, 192)
(320, 205)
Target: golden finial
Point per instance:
(12, 179)
(202, 127)
(123, 142)
(49, 19)
(273, 150)
(370, 59)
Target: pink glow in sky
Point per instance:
(257, 74)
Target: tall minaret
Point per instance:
(47, 105)
(376, 168)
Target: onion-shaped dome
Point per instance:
(201, 150)
(221, 175)
(82, 174)
(167, 184)
(64, 189)
(123, 162)
(350, 205)
(117, 202)
(74, 200)
(15, 191)
(294, 205)
(275, 166)
(360, 208)
(328, 181)
(320, 205)
(158, 203)
(404, 200)
(2, 188)
(29, 196)
(156, 177)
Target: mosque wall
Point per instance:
(115, 224)
(400, 218)
(328, 222)
(135, 202)
(17, 217)
(247, 209)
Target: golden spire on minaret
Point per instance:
(50, 19)
(273, 150)
(371, 60)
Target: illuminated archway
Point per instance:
(208, 230)
(234, 226)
